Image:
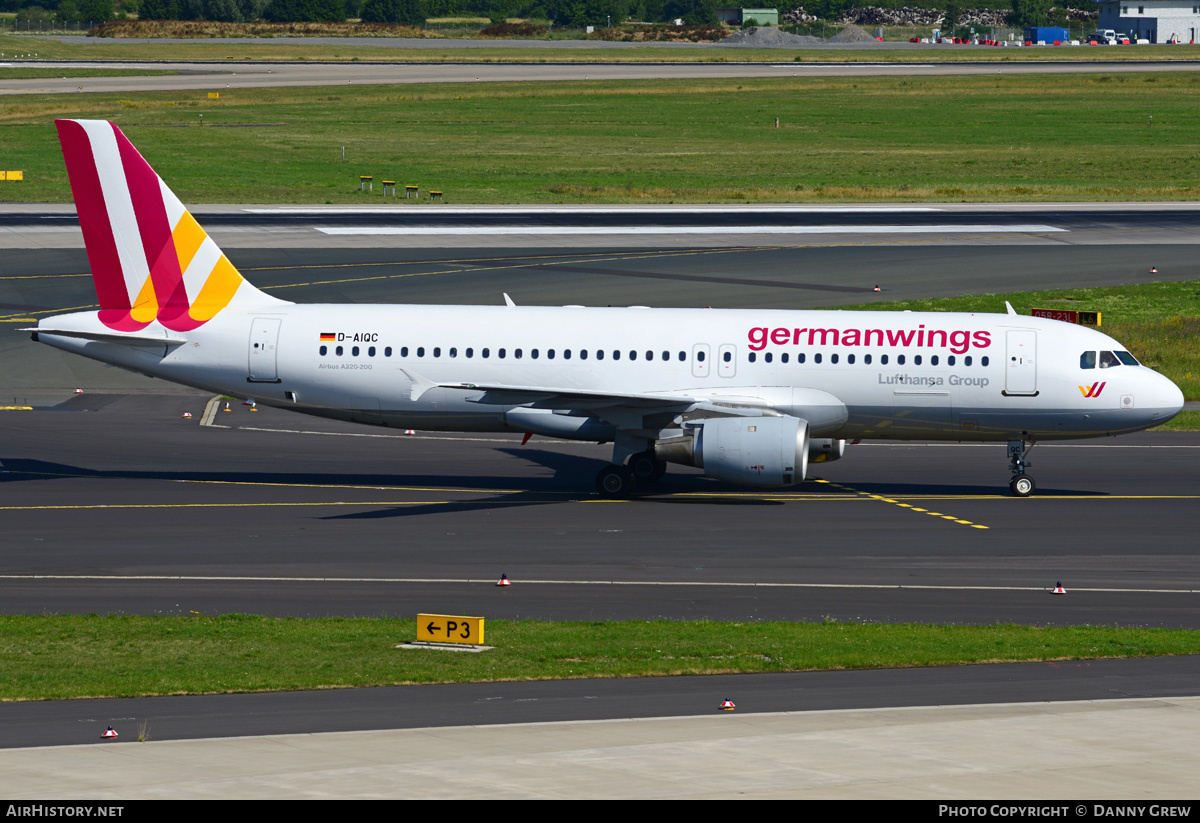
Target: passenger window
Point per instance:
(616, 354)
(453, 351)
(650, 355)
(470, 352)
(599, 354)
(324, 350)
(1087, 360)
(727, 356)
(354, 351)
(768, 357)
(916, 360)
(933, 360)
(983, 361)
(420, 351)
(371, 351)
(549, 354)
(666, 356)
(850, 359)
(752, 357)
(833, 358)
(783, 358)
(486, 353)
(883, 358)
(950, 361)
(682, 356)
(867, 359)
(501, 354)
(437, 351)
(533, 353)
(583, 354)
(817, 357)
(517, 353)
(900, 359)
(338, 351)
(1108, 360)
(800, 357)
(700, 356)
(633, 355)
(566, 354)
(967, 360)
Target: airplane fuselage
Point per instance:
(887, 375)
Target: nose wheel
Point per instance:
(1021, 485)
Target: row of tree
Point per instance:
(564, 13)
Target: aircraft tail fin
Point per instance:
(150, 259)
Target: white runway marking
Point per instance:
(605, 210)
(411, 231)
(491, 581)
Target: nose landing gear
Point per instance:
(1022, 485)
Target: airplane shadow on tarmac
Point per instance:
(571, 479)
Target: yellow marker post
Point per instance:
(447, 628)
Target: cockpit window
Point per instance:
(1126, 358)
(1108, 360)
(1087, 360)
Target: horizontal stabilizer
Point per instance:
(112, 337)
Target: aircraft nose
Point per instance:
(1167, 397)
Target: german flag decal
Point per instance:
(328, 335)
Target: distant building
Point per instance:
(737, 17)
(1158, 21)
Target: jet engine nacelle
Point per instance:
(825, 450)
(755, 451)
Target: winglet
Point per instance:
(508, 301)
(1008, 306)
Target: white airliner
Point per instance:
(751, 396)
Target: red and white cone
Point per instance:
(409, 432)
(727, 706)
(503, 581)
(79, 391)
(878, 289)
(1154, 269)
(1058, 589)
(109, 733)
(187, 415)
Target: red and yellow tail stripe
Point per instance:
(150, 259)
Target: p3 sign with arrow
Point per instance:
(448, 628)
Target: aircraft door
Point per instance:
(727, 360)
(700, 360)
(264, 342)
(1020, 373)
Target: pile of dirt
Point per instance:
(769, 37)
(851, 34)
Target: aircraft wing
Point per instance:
(547, 397)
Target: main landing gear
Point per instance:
(1022, 485)
(616, 482)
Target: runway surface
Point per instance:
(321, 518)
(235, 75)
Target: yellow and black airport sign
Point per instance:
(448, 628)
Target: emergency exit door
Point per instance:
(264, 341)
(1020, 372)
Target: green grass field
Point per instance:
(876, 139)
(56, 657)
(277, 49)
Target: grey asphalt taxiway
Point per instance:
(113, 502)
